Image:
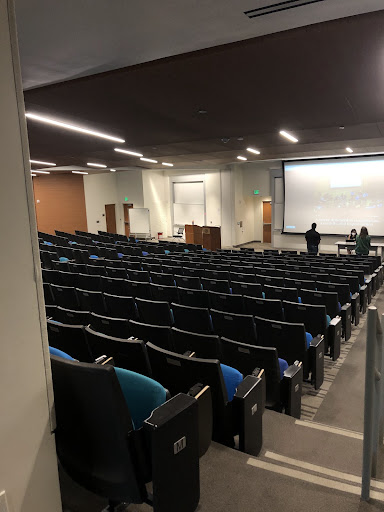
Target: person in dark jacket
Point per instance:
(363, 242)
(313, 239)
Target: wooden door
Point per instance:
(267, 222)
(127, 225)
(110, 217)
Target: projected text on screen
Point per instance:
(337, 194)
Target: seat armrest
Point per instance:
(203, 396)
(334, 337)
(291, 389)
(102, 360)
(248, 414)
(172, 434)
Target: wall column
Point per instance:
(28, 464)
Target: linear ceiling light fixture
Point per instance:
(149, 160)
(41, 172)
(288, 136)
(112, 170)
(133, 153)
(34, 175)
(241, 157)
(79, 172)
(42, 163)
(166, 163)
(255, 151)
(350, 150)
(75, 128)
(102, 166)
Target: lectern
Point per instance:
(211, 238)
(193, 234)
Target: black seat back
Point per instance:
(166, 293)
(70, 339)
(328, 299)
(188, 318)
(215, 285)
(273, 292)
(120, 307)
(246, 358)
(188, 282)
(71, 317)
(250, 289)
(159, 335)
(312, 316)
(115, 286)
(193, 298)
(129, 354)
(116, 327)
(154, 312)
(88, 282)
(237, 327)
(342, 290)
(226, 302)
(289, 339)
(102, 460)
(64, 296)
(204, 345)
(91, 301)
(162, 279)
(264, 308)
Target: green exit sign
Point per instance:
(125, 198)
(256, 192)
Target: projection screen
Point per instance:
(338, 194)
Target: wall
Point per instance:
(61, 203)
(111, 188)
(156, 198)
(100, 189)
(28, 464)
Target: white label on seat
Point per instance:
(320, 355)
(179, 445)
(276, 326)
(245, 350)
(254, 409)
(228, 317)
(302, 308)
(297, 388)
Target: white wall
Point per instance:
(156, 198)
(28, 464)
(111, 188)
(99, 190)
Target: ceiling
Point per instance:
(62, 40)
(309, 80)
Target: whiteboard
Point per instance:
(188, 192)
(186, 213)
(139, 220)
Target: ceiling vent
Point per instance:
(281, 6)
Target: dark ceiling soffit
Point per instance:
(281, 6)
(205, 51)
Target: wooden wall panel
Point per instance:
(61, 203)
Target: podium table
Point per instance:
(211, 238)
(193, 234)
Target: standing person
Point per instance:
(363, 242)
(313, 239)
(351, 238)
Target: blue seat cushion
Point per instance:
(120, 254)
(144, 253)
(263, 294)
(59, 353)
(328, 320)
(142, 395)
(186, 250)
(167, 251)
(339, 306)
(283, 366)
(63, 258)
(232, 379)
(309, 338)
(93, 257)
(299, 300)
(47, 243)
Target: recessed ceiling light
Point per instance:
(96, 165)
(79, 172)
(42, 172)
(133, 153)
(149, 160)
(241, 157)
(240, 138)
(112, 170)
(341, 127)
(166, 163)
(350, 150)
(288, 136)
(41, 162)
(202, 111)
(71, 127)
(251, 150)
(34, 175)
